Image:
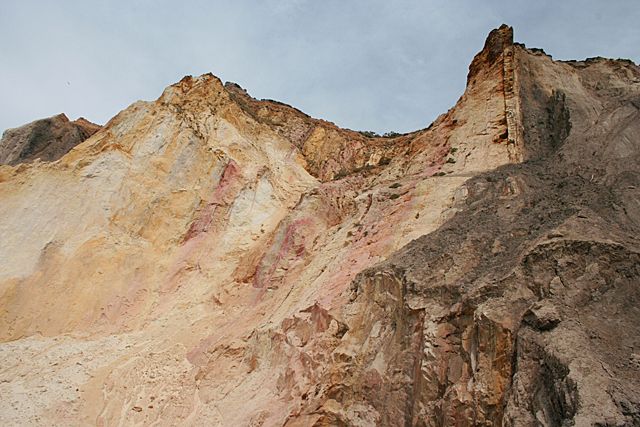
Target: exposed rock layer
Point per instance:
(45, 139)
(241, 263)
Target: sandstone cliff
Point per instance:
(212, 259)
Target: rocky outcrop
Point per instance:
(241, 263)
(330, 152)
(520, 309)
(45, 139)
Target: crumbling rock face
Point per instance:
(46, 139)
(522, 309)
(330, 152)
(241, 263)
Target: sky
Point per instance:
(376, 65)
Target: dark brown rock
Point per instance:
(477, 336)
(45, 139)
(542, 317)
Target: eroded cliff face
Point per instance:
(45, 139)
(212, 259)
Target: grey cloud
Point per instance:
(378, 65)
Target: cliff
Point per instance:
(212, 259)
(45, 139)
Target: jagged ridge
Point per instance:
(45, 139)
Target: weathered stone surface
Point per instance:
(212, 259)
(542, 317)
(46, 139)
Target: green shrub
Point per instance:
(391, 134)
(369, 133)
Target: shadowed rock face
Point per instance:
(241, 263)
(45, 139)
(522, 309)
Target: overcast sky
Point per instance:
(368, 65)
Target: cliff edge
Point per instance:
(208, 258)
